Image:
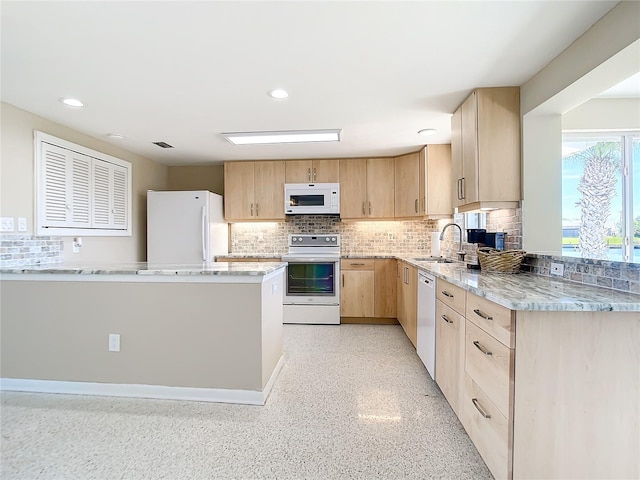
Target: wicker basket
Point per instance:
(497, 261)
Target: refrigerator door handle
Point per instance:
(204, 230)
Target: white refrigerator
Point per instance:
(185, 227)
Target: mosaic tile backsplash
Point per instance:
(358, 238)
(29, 250)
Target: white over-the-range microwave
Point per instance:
(311, 198)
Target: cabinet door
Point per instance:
(298, 171)
(470, 149)
(353, 188)
(411, 304)
(449, 361)
(238, 191)
(269, 190)
(438, 193)
(380, 188)
(385, 288)
(456, 158)
(110, 205)
(400, 276)
(357, 295)
(325, 171)
(407, 185)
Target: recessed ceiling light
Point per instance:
(292, 136)
(72, 102)
(116, 136)
(278, 93)
(428, 131)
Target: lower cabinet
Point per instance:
(450, 330)
(558, 401)
(368, 289)
(407, 282)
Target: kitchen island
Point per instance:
(210, 332)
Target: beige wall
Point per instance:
(206, 335)
(17, 184)
(606, 54)
(200, 177)
(604, 114)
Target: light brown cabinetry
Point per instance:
(423, 183)
(556, 401)
(312, 171)
(368, 288)
(254, 190)
(450, 332)
(407, 280)
(485, 144)
(367, 188)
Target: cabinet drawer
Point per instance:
(357, 264)
(490, 364)
(488, 428)
(492, 318)
(451, 295)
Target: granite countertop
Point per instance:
(526, 291)
(252, 255)
(144, 268)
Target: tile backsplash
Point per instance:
(601, 273)
(369, 237)
(29, 250)
(358, 238)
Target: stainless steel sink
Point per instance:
(432, 259)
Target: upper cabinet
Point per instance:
(254, 190)
(422, 183)
(312, 171)
(485, 150)
(367, 188)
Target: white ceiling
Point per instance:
(184, 72)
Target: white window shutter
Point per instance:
(101, 194)
(56, 172)
(80, 190)
(120, 205)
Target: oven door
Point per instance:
(312, 282)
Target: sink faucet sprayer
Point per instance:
(461, 253)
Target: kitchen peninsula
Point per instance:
(194, 332)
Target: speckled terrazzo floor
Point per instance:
(352, 401)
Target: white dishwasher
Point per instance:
(426, 342)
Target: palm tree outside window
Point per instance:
(601, 196)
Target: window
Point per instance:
(601, 196)
(80, 191)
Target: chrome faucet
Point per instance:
(461, 253)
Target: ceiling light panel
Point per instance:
(72, 102)
(292, 136)
(278, 93)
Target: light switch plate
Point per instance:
(22, 224)
(6, 225)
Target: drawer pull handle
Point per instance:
(357, 264)
(482, 315)
(477, 405)
(446, 319)
(481, 348)
(447, 294)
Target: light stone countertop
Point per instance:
(144, 268)
(526, 291)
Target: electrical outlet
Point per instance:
(22, 224)
(7, 224)
(557, 269)
(114, 342)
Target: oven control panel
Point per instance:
(308, 240)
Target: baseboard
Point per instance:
(160, 392)
(370, 321)
(266, 391)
